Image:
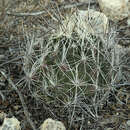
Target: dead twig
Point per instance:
(44, 12)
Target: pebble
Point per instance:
(128, 122)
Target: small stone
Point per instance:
(114, 9)
(16, 107)
(128, 123)
(10, 124)
(128, 22)
(51, 124)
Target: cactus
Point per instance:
(73, 74)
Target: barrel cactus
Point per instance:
(70, 74)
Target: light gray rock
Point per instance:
(50, 124)
(114, 9)
(128, 123)
(10, 124)
(128, 22)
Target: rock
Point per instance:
(84, 23)
(114, 9)
(50, 124)
(128, 123)
(10, 124)
(128, 22)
